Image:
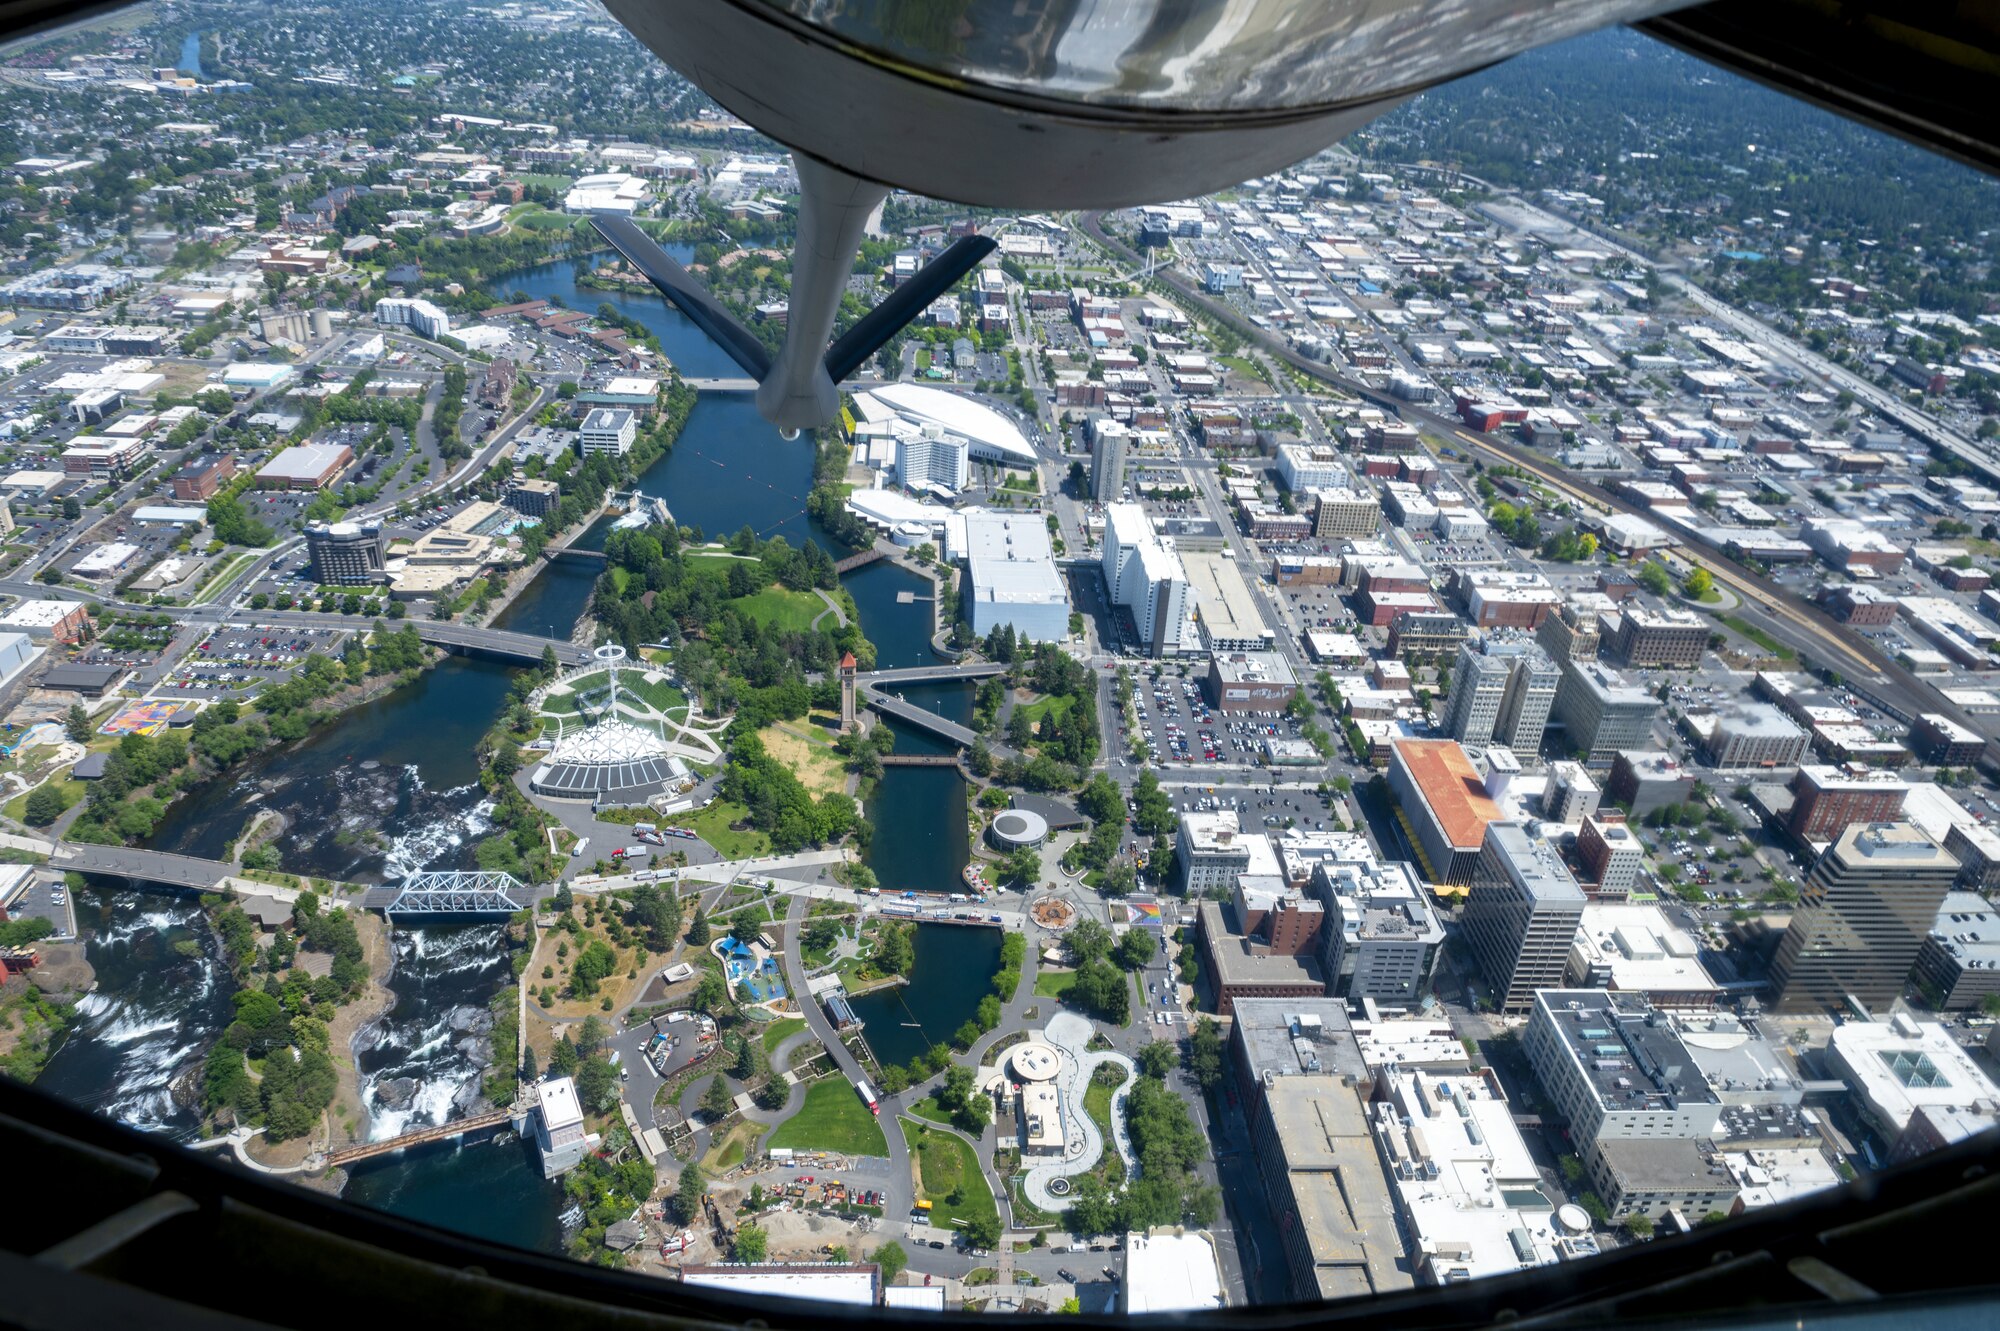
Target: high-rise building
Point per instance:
(1501, 689)
(1339, 511)
(1572, 795)
(927, 457)
(1521, 915)
(1108, 441)
(346, 554)
(1862, 916)
(1532, 681)
(1478, 682)
(1610, 856)
(1602, 713)
(1573, 633)
(1145, 576)
(1381, 939)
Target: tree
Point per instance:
(687, 1197)
(1639, 1226)
(750, 1244)
(710, 993)
(1205, 1053)
(1088, 940)
(1137, 947)
(1698, 583)
(892, 1259)
(698, 928)
(983, 1230)
(1655, 579)
(76, 724)
(597, 1085)
(1157, 1058)
(45, 805)
(716, 1101)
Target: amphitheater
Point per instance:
(618, 733)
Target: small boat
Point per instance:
(571, 1218)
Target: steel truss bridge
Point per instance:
(451, 892)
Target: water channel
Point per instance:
(190, 61)
(390, 788)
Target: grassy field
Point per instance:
(802, 747)
(729, 1152)
(780, 1031)
(929, 1108)
(713, 826)
(1053, 983)
(1036, 711)
(832, 1119)
(1097, 1103)
(1758, 636)
(541, 220)
(72, 791)
(660, 693)
(947, 1168)
(782, 607)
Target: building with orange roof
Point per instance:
(1445, 804)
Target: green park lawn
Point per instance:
(660, 693)
(1041, 708)
(948, 1166)
(832, 1119)
(794, 611)
(713, 826)
(780, 1031)
(1053, 983)
(929, 1108)
(71, 791)
(1097, 1103)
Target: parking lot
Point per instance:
(239, 662)
(45, 898)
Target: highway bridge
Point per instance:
(153, 866)
(433, 892)
(888, 704)
(719, 385)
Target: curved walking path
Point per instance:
(1071, 1034)
(833, 608)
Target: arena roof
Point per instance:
(979, 424)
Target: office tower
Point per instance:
(346, 554)
(1521, 915)
(1862, 916)
(1108, 439)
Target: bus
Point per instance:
(867, 1097)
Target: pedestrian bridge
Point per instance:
(888, 704)
(448, 892)
(933, 674)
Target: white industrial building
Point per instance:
(613, 193)
(1145, 576)
(1011, 577)
(415, 314)
(609, 430)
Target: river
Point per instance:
(390, 788)
(190, 61)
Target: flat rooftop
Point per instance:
(1642, 949)
(1631, 1066)
(1237, 962)
(1221, 597)
(1345, 1208)
(1452, 787)
(1292, 1037)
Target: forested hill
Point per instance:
(1568, 117)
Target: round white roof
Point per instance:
(608, 742)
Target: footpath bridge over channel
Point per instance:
(932, 674)
(492, 1118)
